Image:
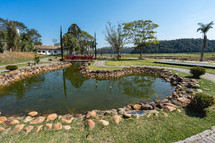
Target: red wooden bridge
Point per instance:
(78, 58)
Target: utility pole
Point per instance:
(95, 43)
(61, 44)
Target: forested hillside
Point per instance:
(170, 46)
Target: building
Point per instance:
(49, 50)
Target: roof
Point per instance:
(47, 47)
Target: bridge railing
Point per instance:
(79, 58)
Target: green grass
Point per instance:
(176, 126)
(130, 62)
(185, 55)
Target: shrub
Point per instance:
(200, 101)
(36, 59)
(197, 71)
(50, 59)
(11, 67)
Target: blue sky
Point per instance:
(176, 18)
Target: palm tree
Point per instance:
(204, 28)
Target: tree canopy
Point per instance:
(17, 36)
(142, 33)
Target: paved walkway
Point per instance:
(207, 136)
(207, 76)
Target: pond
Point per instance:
(67, 91)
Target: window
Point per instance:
(55, 51)
(39, 51)
(43, 51)
(49, 51)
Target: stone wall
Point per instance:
(14, 76)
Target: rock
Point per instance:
(121, 111)
(33, 113)
(179, 110)
(39, 119)
(11, 122)
(18, 128)
(169, 108)
(48, 126)
(165, 114)
(104, 122)
(149, 115)
(126, 115)
(67, 127)
(199, 91)
(57, 126)
(38, 128)
(27, 119)
(136, 106)
(164, 101)
(90, 114)
(1, 129)
(170, 104)
(184, 100)
(28, 129)
(146, 107)
(91, 123)
(67, 119)
(117, 119)
(3, 119)
(51, 117)
(6, 131)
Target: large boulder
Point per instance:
(146, 107)
(117, 119)
(39, 119)
(51, 117)
(33, 113)
(91, 123)
(90, 114)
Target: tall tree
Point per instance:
(2, 40)
(71, 43)
(204, 28)
(35, 36)
(142, 33)
(61, 43)
(115, 37)
(12, 36)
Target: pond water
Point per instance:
(66, 91)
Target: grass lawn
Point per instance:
(129, 62)
(181, 55)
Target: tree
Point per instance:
(56, 43)
(26, 43)
(35, 36)
(204, 28)
(142, 33)
(12, 36)
(2, 40)
(115, 37)
(71, 43)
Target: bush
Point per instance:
(197, 71)
(200, 101)
(50, 59)
(11, 67)
(36, 59)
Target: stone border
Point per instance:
(180, 97)
(14, 76)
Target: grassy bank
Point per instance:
(17, 57)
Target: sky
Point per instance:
(176, 18)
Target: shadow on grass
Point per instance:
(193, 113)
(189, 76)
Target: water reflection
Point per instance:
(66, 91)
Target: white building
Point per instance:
(49, 50)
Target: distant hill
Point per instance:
(170, 46)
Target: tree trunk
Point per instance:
(203, 47)
(118, 55)
(141, 56)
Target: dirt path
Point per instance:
(207, 76)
